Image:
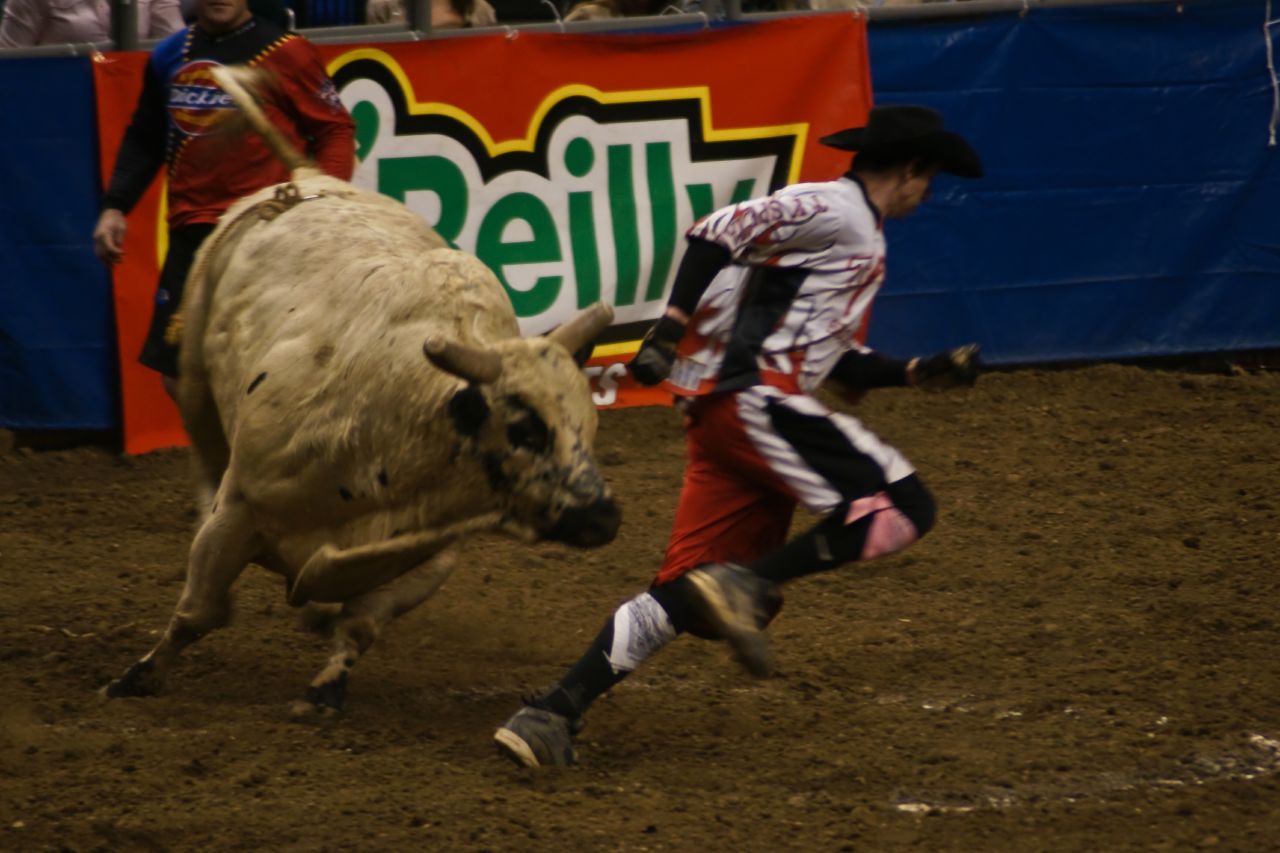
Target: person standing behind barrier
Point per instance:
(28, 23)
(445, 14)
(176, 121)
(765, 307)
(276, 11)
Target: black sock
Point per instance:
(824, 547)
(586, 680)
(647, 626)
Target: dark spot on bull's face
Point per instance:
(345, 493)
(529, 433)
(468, 410)
(492, 463)
(323, 355)
(527, 430)
(255, 383)
(382, 478)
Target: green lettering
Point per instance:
(626, 237)
(662, 215)
(398, 176)
(498, 254)
(365, 115)
(703, 202)
(579, 157)
(586, 255)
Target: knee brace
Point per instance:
(914, 501)
(878, 524)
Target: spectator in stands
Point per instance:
(28, 23)
(176, 121)
(445, 14)
(594, 10)
(277, 11)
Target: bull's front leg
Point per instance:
(361, 622)
(223, 546)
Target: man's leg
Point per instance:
(720, 516)
(873, 504)
(156, 354)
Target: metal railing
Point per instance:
(417, 25)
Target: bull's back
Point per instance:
(313, 343)
(336, 273)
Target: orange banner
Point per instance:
(570, 164)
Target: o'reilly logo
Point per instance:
(592, 204)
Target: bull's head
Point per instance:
(527, 416)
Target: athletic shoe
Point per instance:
(537, 738)
(735, 602)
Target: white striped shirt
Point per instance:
(829, 235)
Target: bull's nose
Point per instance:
(588, 526)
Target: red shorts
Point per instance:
(755, 454)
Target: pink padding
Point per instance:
(889, 531)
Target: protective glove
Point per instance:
(657, 353)
(951, 369)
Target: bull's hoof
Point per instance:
(134, 682)
(302, 711)
(322, 700)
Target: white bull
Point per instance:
(358, 397)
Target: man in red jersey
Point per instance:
(176, 122)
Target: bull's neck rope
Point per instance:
(286, 196)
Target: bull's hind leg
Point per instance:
(361, 622)
(223, 546)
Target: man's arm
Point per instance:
(24, 22)
(311, 99)
(141, 153)
(864, 369)
(701, 263)
(142, 149)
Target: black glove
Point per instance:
(657, 353)
(950, 369)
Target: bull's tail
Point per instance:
(243, 83)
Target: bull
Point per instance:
(359, 398)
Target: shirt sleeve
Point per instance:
(142, 149)
(862, 369)
(165, 18)
(311, 99)
(24, 22)
(793, 227)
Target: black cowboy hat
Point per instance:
(910, 129)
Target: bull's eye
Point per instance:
(529, 433)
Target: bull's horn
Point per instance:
(582, 329)
(470, 363)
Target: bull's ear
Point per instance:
(468, 410)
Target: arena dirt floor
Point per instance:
(1084, 655)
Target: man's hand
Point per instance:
(657, 353)
(108, 236)
(950, 369)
